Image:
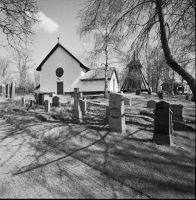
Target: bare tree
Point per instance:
(17, 18)
(23, 61)
(164, 20)
(5, 71)
(107, 45)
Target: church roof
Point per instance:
(134, 63)
(51, 52)
(99, 74)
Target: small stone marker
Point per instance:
(7, 90)
(177, 110)
(116, 112)
(47, 106)
(55, 101)
(151, 104)
(127, 101)
(76, 112)
(23, 101)
(31, 103)
(83, 106)
(163, 124)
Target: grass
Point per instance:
(131, 158)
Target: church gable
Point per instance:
(39, 68)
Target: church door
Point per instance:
(59, 88)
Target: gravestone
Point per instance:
(31, 103)
(177, 110)
(23, 101)
(116, 112)
(7, 90)
(12, 90)
(151, 104)
(55, 101)
(83, 106)
(40, 97)
(47, 97)
(163, 124)
(47, 106)
(76, 112)
(127, 101)
(1, 88)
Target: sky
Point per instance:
(58, 19)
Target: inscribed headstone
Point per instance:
(116, 112)
(163, 124)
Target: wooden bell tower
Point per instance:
(135, 79)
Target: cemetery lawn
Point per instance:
(131, 159)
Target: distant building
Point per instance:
(61, 72)
(93, 82)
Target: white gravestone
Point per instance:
(47, 106)
(116, 112)
(76, 112)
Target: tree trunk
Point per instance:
(106, 67)
(106, 85)
(170, 60)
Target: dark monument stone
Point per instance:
(7, 90)
(151, 104)
(138, 92)
(40, 97)
(31, 103)
(55, 101)
(163, 124)
(12, 90)
(160, 94)
(177, 110)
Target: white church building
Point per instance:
(61, 72)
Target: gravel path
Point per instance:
(69, 178)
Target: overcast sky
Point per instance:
(58, 19)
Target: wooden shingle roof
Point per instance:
(99, 74)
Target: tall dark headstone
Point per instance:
(163, 124)
(40, 99)
(7, 90)
(12, 90)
